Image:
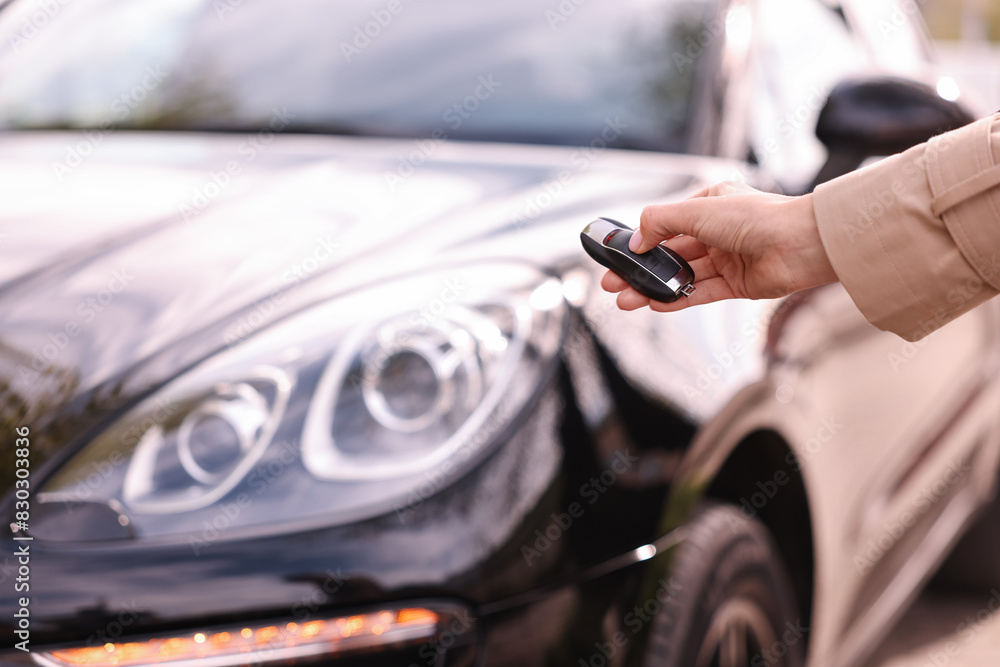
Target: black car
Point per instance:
(301, 358)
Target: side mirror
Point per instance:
(871, 117)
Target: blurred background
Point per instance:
(968, 42)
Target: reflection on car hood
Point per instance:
(124, 258)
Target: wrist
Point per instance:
(815, 262)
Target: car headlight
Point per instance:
(333, 414)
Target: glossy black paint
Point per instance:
(78, 590)
(428, 550)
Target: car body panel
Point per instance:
(851, 427)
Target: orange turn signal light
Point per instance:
(259, 645)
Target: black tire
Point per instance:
(733, 603)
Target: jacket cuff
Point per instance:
(966, 196)
(897, 259)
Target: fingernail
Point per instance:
(635, 241)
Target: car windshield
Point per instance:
(555, 72)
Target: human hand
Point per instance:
(741, 243)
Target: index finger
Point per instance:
(690, 217)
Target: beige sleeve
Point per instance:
(915, 238)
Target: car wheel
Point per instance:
(733, 603)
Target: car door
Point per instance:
(902, 448)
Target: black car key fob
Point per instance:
(661, 274)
